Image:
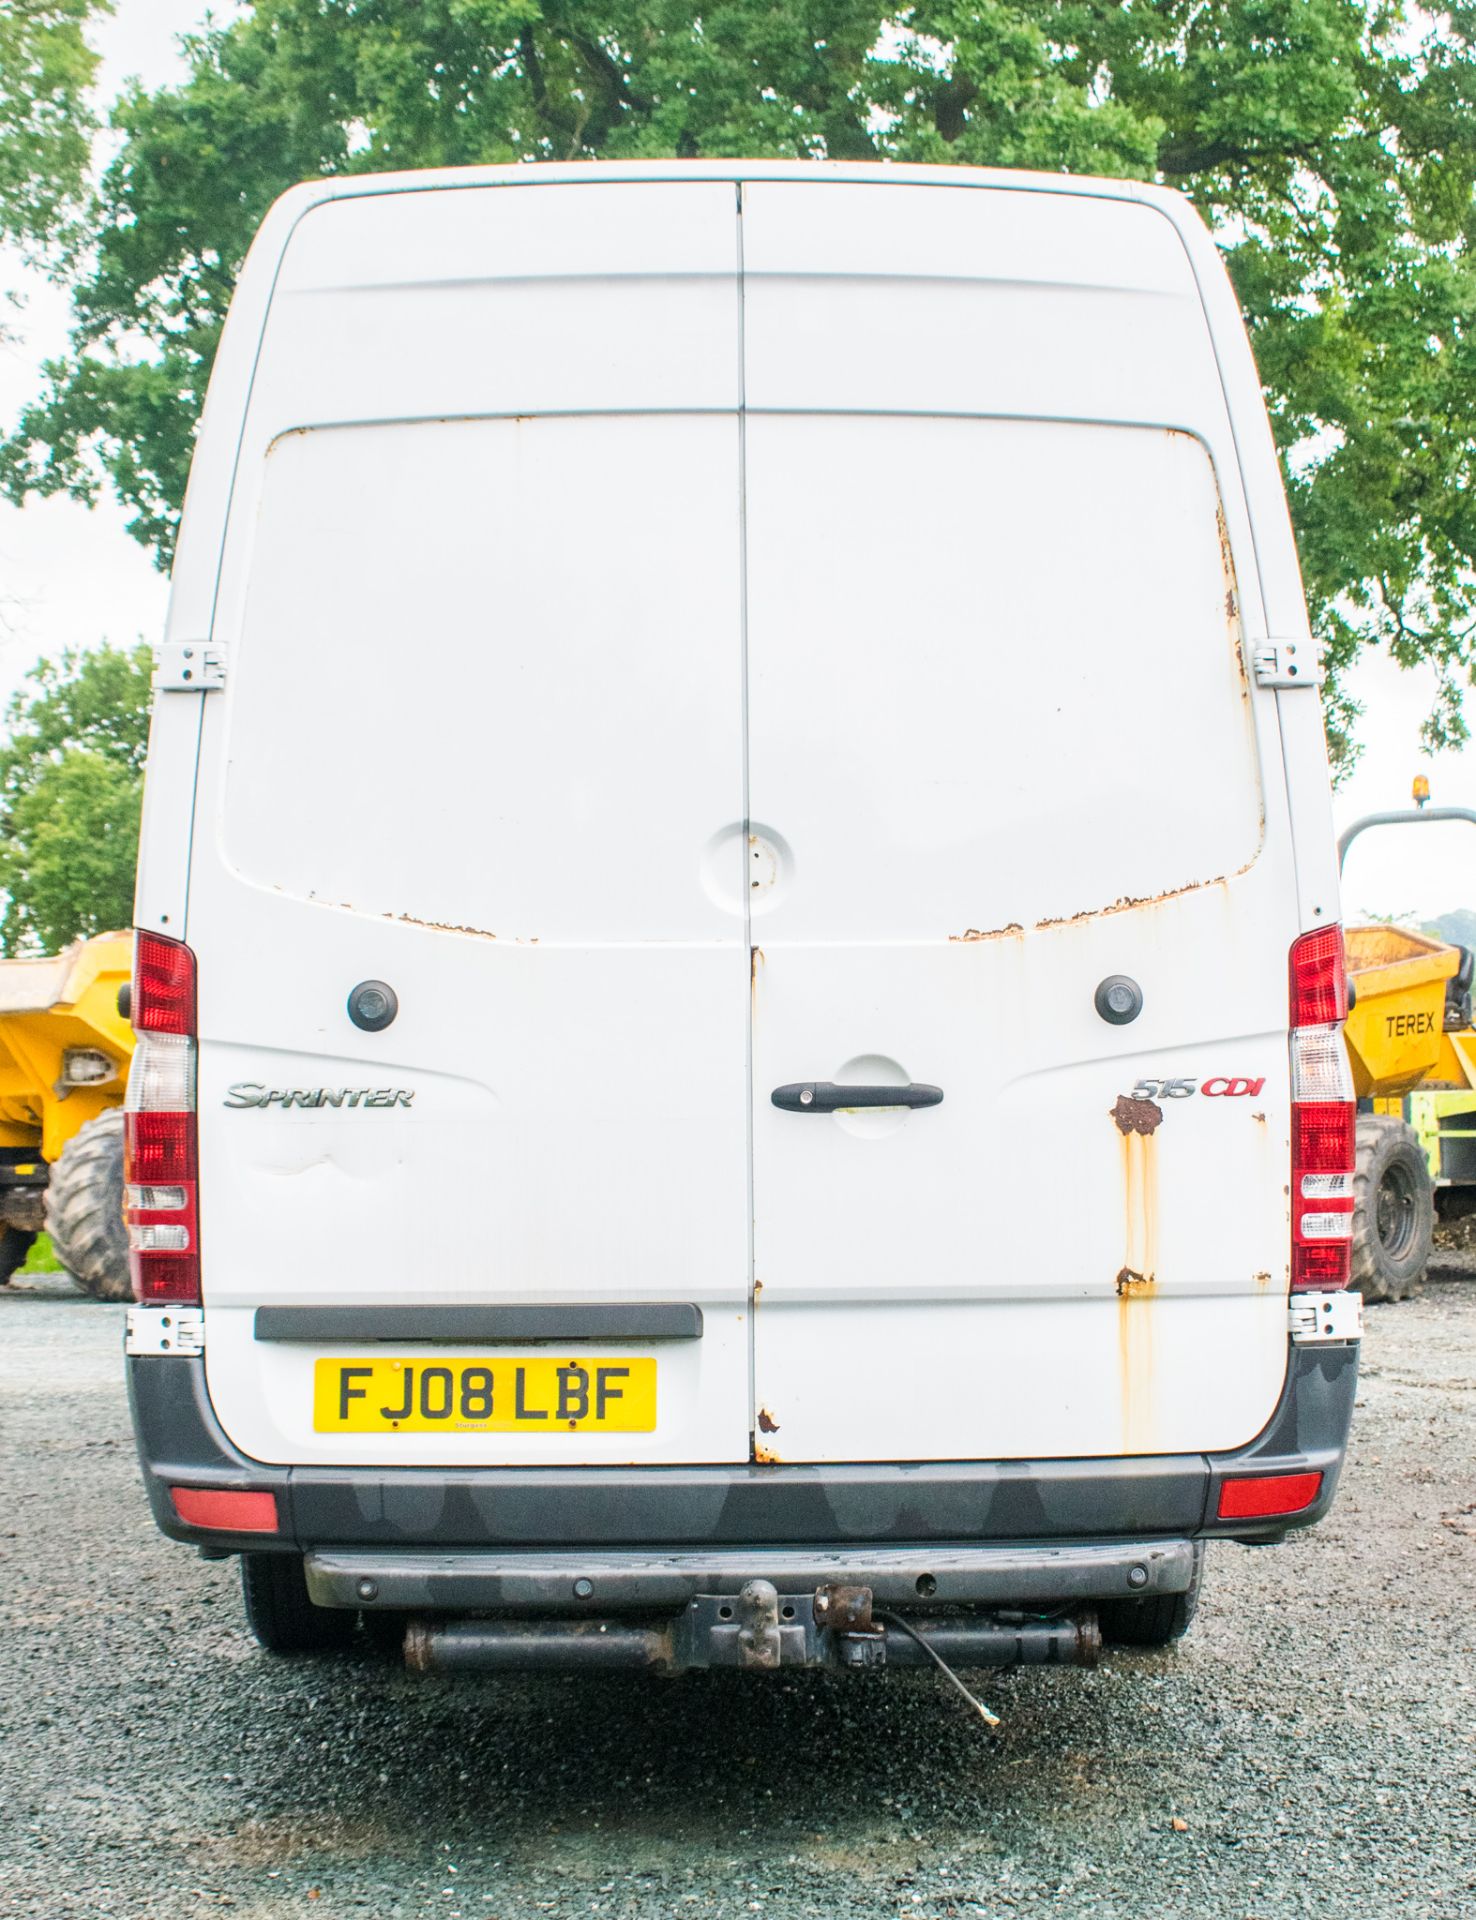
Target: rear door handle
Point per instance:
(824, 1096)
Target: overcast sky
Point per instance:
(70, 576)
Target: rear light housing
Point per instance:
(1323, 1115)
(160, 1129)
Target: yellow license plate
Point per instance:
(492, 1395)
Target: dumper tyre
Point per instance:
(15, 1244)
(1158, 1619)
(281, 1613)
(1393, 1209)
(84, 1208)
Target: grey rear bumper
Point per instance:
(757, 1511)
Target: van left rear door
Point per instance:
(481, 740)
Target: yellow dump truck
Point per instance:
(65, 1050)
(1413, 1050)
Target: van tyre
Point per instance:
(84, 1208)
(1157, 1619)
(280, 1613)
(1393, 1209)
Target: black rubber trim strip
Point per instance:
(447, 1326)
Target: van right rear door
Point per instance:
(1002, 748)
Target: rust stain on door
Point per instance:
(1137, 1123)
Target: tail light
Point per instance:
(1323, 1114)
(160, 1143)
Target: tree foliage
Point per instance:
(71, 775)
(1331, 144)
(46, 123)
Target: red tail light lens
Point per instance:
(163, 985)
(1319, 979)
(1254, 1499)
(1323, 1115)
(160, 1131)
(226, 1509)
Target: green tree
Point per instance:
(46, 123)
(1458, 926)
(71, 775)
(1330, 143)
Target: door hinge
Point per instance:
(1288, 663)
(164, 1330)
(1319, 1318)
(190, 666)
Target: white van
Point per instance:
(738, 975)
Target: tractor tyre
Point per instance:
(15, 1244)
(1393, 1209)
(84, 1208)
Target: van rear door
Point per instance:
(1002, 748)
(481, 740)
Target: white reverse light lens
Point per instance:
(155, 1199)
(162, 1077)
(1326, 1226)
(1327, 1186)
(153, 1238)
(1319, 1065)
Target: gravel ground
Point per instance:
(1307, 1750)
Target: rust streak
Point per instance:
(441, 926)
(1125, 903)
(1137, 1279)
(1227, 566)
(991, 933)
(765, 1456)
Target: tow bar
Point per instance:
(759, 1629)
